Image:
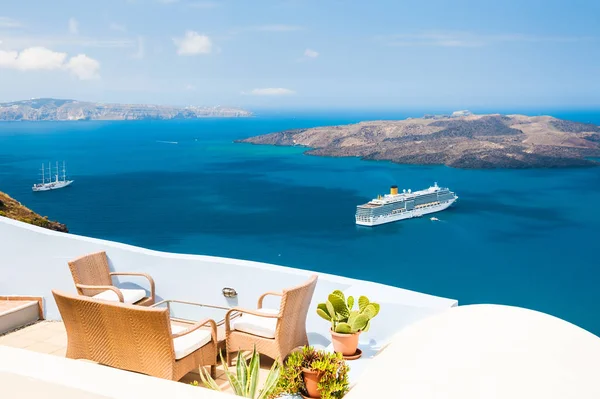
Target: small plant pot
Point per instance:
(346, 344)
(311, 380)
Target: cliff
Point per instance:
(462, 140)
(50, 109)
(11, 208)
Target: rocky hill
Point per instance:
(461, 140)
(50, 109)
(11, 208)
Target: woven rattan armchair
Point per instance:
(274, 332)
(93, 277)
(135, 338)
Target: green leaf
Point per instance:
(343, 328)
(271, 381)
(352, 316)
(359, 323)
(350, 302)
(377, 308)
(330, 309)
(238, 388)
(207, 380)
(253, 370)
(323, 312)
(339, 294)
(370, 311)
(339, 305)
(242, 370)
(363, 301)
(367, 326)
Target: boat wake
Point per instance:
(167, 142)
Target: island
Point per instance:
(13, 209)
(51, 109)
(461, 140)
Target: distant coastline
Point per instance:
(461, 140)
(51, 109)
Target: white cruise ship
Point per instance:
(405, 205)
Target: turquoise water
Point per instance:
(519, 237)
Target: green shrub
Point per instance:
(334, 373)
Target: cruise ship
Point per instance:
(408, 204)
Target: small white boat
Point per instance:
(52, 184)
(434, 219)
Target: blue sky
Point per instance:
(304, 53)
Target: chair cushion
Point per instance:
(130, 295)
(256, 325)
(188, 343)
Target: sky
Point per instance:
(314, 54)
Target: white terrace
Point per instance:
(419, 346)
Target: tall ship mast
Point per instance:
(405, 205)
(49, 184)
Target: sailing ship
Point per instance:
(51, 184)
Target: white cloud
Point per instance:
(141, 48)
(32, 58)
(117, 27)
(73, 26)
(84, 67)
(310, 53)
(193, 43)
(41, 58)
(9, 23)
(272, 91)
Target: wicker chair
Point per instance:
(135, 338)
(93, 278)
(274, 333)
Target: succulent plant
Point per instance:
(344, 320)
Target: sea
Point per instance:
(527, 238)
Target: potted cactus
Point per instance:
(346, 323)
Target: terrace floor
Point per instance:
(50, 337)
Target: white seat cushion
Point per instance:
(188, 343)
(256, 325)
(130, 295)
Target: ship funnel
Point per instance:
(394, 190)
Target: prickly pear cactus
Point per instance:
(344, 320)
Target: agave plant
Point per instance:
(338, 311)
(244, 381)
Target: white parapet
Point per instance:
(27, 374)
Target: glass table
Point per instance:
(187, 313)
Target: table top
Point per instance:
(186, 313)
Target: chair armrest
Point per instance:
(260, 300)
(195, 326)
(102, 287)
(248, 311)
(147, 276)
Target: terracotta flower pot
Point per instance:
(346, 344)
(311, 379)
